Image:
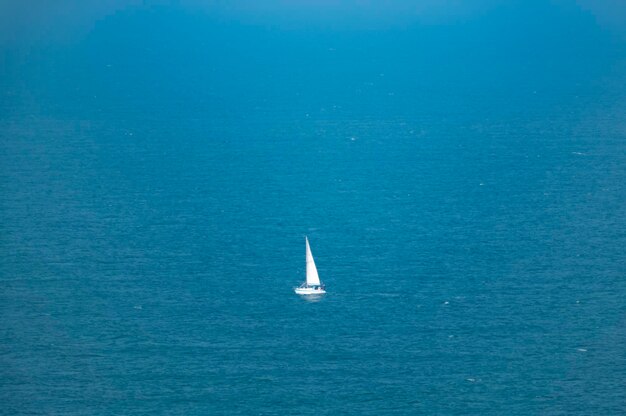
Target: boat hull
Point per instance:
(309, 291)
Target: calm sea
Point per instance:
(462, 184)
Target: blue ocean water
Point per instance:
(461, 182)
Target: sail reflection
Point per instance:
(313, 298)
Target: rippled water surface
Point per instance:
(466, 212)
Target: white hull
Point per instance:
(309, 291)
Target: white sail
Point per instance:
(312, 278)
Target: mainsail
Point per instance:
(312, 278)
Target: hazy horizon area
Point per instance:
(198, 49)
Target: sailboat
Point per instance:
(312, 285)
